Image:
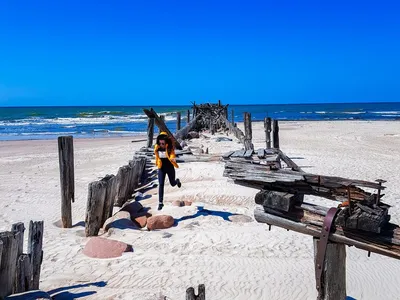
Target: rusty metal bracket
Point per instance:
(322, 245)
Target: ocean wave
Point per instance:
(391, 112)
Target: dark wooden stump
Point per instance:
(95, 207)
(35, 244)
(188, 117)
(178, 121)
(190, 295)
(276, 134)
(66, 162)
(268, 129)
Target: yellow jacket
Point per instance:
(169, 154)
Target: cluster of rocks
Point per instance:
(132, 215)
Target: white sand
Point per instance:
(234, 260)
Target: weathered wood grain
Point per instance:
(67, 182)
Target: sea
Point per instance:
(27, 123)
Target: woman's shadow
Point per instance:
(207, 212)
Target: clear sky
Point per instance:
(173, 52)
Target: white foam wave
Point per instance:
(391, 112)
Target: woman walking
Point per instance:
(166, 164)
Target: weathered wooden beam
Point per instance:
(275, 134)
(23, 280)
(334, 271)
(66, 163)
(276, 200)
(150, 132)
(178, 120)
(192, 126)
(261, 153)
(268, 129)
(310, 224)
(188, 117)
(232, 117)
(35, 245)
(161, 125)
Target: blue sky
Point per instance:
(174, 52)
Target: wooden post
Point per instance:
(66, 162)
(190, 295)
(162, 117)
(188, 116)
(233, 117)
(247, 132)
(19, 285)
(95, 207)
(178, 121)
(111, 191)
(35, 243)
(275, 134)
(8, 265)
(150, 132)
(334, 274)
(268, 129)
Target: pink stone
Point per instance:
(98, 247)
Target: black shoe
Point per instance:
(178, 183)
(160, 206)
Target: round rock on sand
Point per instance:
(181, 203)
(160, 222)
(98, 247)
(120, 220)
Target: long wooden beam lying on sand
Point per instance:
(161, 125)
(308, 219)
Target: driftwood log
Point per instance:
(8, 263)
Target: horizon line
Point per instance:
(190, 105)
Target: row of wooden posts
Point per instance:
(19, 271)
(103, 194)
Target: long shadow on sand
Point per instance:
(207, 212)
(63, 294)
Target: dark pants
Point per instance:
(170, 171)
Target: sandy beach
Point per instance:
(237, 259)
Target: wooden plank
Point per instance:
(268, 129)
(8, 263)
(188, 117)
(35, 245)
(299, 224)
(66, 163)
(161, 125)
(334, 273)
(275, 134)
(192, 126)
(290, 163)
(150, 132)
(95, 207)
(238, 153)
(248, 153)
